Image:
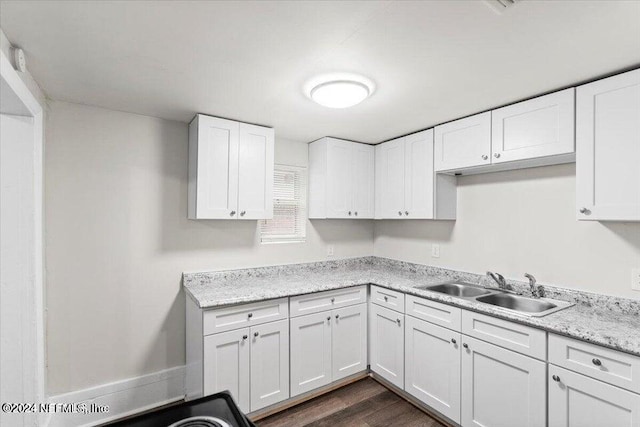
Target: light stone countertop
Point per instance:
(607, 321)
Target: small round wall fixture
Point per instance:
(339, 90)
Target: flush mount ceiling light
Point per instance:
(339, 90)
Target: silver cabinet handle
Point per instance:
(356, 213)
(333, 300)
(250, 315)
(453, 340)
(386, 298)
(400, 213)
(485, 157)
(556, 378)
(328, 318)
(406, 213)
(242, 213)
(255, 334)
(597, 362)
(398, 321)
(585, 211)
(496, 155)
(244, 337)
(465, 345)
(232, 213)
(337, 316)
(349, 213)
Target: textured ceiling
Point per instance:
(432, 61)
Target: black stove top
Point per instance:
(216, 410)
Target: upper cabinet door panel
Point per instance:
(255, 182)
(463, 143)
(216, 154)
(538, 127)
(390, 179)
(363, 165)
(339, 181)
(418, 190)
(608, 148)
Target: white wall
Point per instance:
(522, 221)
(118, 239)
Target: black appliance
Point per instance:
(216, 410)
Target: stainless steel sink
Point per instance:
(530, 306)
(457, 289)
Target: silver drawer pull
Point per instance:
(398, 321)
(333, 300)
(244, 337)
(556, 378)
(386, 299)
(400, 213)
(453, 340)
(255, 334)
(328, 318)
(337, 316)
(597, 362)
(250, 315)
(232, 213)
(465, 345)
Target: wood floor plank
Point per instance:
(364, 403)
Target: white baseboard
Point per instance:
(124, 398)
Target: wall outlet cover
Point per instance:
(635, 279)
(435, 251)
(330, 250)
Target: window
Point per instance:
(289, 207)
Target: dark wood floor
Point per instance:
(364, 403)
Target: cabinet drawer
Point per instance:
(523, 339)
(611, 366)
(388, 298)
(434, 312)
(322, 301)
(241, 316)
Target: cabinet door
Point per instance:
(339, 178)
(579, 401)
(418, 181)
(310, 347)
(501, 388)
(387, 344)
(608, 148)
(432, 366)
(363, 164)
(255, 176)
(213, 157)
(226, 365)
(389, 178)
(349, 341)
(269, 364)
(539, 127)
(463, 143)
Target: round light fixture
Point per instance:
(339, 90)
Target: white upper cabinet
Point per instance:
(463, 143)
(341, 179)
(539, 127)
(608, 149)
(230, 169)
(406, 186)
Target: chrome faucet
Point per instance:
(499, 279)
(536, 291)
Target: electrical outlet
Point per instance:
(435, 251)
(330, 250)
(635, 279)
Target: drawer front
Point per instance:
(241, 316)
(434, 312)
(523, 339)
(323, 301)
(604, 364)
(388, 298)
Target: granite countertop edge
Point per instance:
(567, 322)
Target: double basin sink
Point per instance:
(535, 307)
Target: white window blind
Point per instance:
(289, 206)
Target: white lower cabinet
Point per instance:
(501, 388)
(269, 364)
(327, 346)
(252, 363)
(387, 344)
(579, 401)
(226, 365)
(432, 366)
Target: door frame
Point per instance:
(38, 375)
